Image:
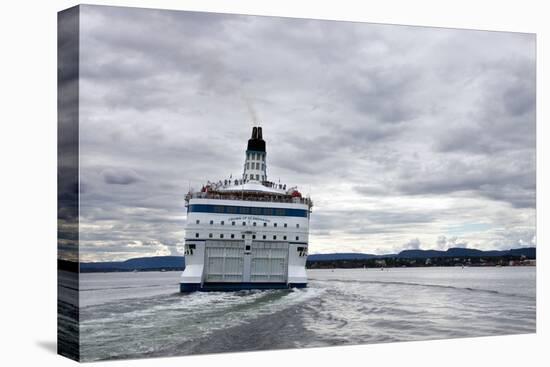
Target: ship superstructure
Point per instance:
(248, 232)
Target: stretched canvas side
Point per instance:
(68, 334)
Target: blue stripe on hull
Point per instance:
(247, 210)
(189, 287)
(230, 287)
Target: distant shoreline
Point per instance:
(409, 258)
(327, 268)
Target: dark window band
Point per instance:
(229, 209)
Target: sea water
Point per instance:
(142, 314)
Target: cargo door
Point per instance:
(269, 262)
(224, 261)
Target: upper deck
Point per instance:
(250, 191)
(253, 187)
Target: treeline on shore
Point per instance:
(393, 262)
(406, 258)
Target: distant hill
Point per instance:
(340, 256)
(416, 258)
(178, 262)
(529, 252)
(140, 264)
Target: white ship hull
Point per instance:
(246, 233)
(228, 248)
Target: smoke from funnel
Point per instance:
(251, 110)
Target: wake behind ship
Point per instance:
(247, 233)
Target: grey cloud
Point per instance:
(120, 176)
(445, 243)
(395, 114)
(413, 244)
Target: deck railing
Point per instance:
(249, 197)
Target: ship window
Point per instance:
(285, 225)
(253, 236)
(221, 235)
(243, 236)
(297, 238)
(284, 238)
(264, 236)
(232, 235)
(274, 224)
(265, 224)
(274, 237)
(188, 249)
(196, 235)
(297, 225)
(232, 223)
(254, 224)
(280, 212)
(211, 222)
(222, 222)
(244, 223)
(198, 221)
(244, 210)
(210, 235)
(247, 248)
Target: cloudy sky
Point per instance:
(405, 137)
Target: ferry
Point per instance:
(246, 233)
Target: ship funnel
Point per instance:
(255, 162)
